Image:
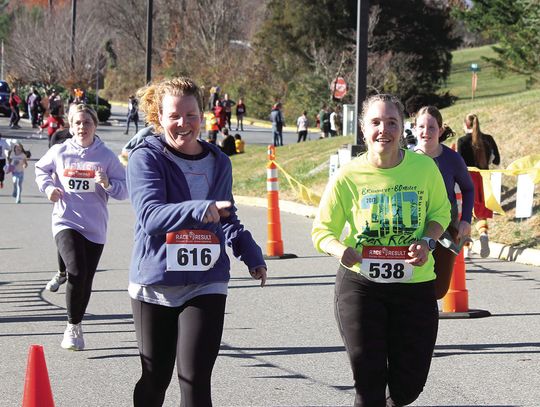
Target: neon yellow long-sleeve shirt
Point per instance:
(383, 207)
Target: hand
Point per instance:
(259, 274)
(464, 230)
(55, 195)
(350, 257)
(419, 253)
(102, 179)
(216, 211)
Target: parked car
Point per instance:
(4, 98)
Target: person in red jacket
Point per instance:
(52, 123)
(219, 112)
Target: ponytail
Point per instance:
(479, 149)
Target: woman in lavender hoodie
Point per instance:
(79, 175)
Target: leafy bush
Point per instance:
(103, 112)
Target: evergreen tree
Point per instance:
(410, 43)
(515, 27)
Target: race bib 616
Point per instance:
(192, 250)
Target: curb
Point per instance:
(497, 250)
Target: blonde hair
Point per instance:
(82, 108)
(151, 97)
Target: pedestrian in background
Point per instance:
(395, 205)
(240, 113)
(53, 123)
(132, 114)
(431, 133)
(324, 120)
(228, 145)
(55, 102)
(14, 102)
(181, 190)
(79, 176)
(302, 124)
(239, 144)
(18, 162)
(479, 150)
(227, 107)
(34, 107)
(4, 150)
(333, 122)
(276, 117)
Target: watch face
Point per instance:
(432, 244)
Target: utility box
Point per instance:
(349, 119)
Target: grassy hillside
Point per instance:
(507, 111)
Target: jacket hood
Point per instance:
(156, 143)
(82, 151)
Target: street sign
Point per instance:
(475, 67)
(338, 88)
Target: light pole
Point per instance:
(73, 17)
(362, 23)
(150, 6)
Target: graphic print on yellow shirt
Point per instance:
(387, 208)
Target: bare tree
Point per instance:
(39, 48)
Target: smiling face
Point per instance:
(181, 121)
(83, 128)
(382, 126)
(427, 131)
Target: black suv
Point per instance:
(4, 98)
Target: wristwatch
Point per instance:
(431, 243)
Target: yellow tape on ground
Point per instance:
(307, 195)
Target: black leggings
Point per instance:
(389, 331)
(189, 335)
(81, 257)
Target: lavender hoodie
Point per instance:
(85, 212)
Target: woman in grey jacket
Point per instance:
(181, 190)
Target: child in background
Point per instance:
(52, 123)
(17, 158)
(239, 143)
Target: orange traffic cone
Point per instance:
(274, 246)
(37, 387)
(455, 304)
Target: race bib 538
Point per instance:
(386, 264)
(192, 250)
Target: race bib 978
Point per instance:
(192, 250)
(78, 181)
(386, 264)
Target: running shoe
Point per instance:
(484, 245)
(58, 279)
(73, 337)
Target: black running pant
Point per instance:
(389, 331)
(189, 335)
(81, 257)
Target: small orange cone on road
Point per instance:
(37, 387)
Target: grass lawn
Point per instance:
(506, 110)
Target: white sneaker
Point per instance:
(484, 245)
(56, 282)
(73, 337)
